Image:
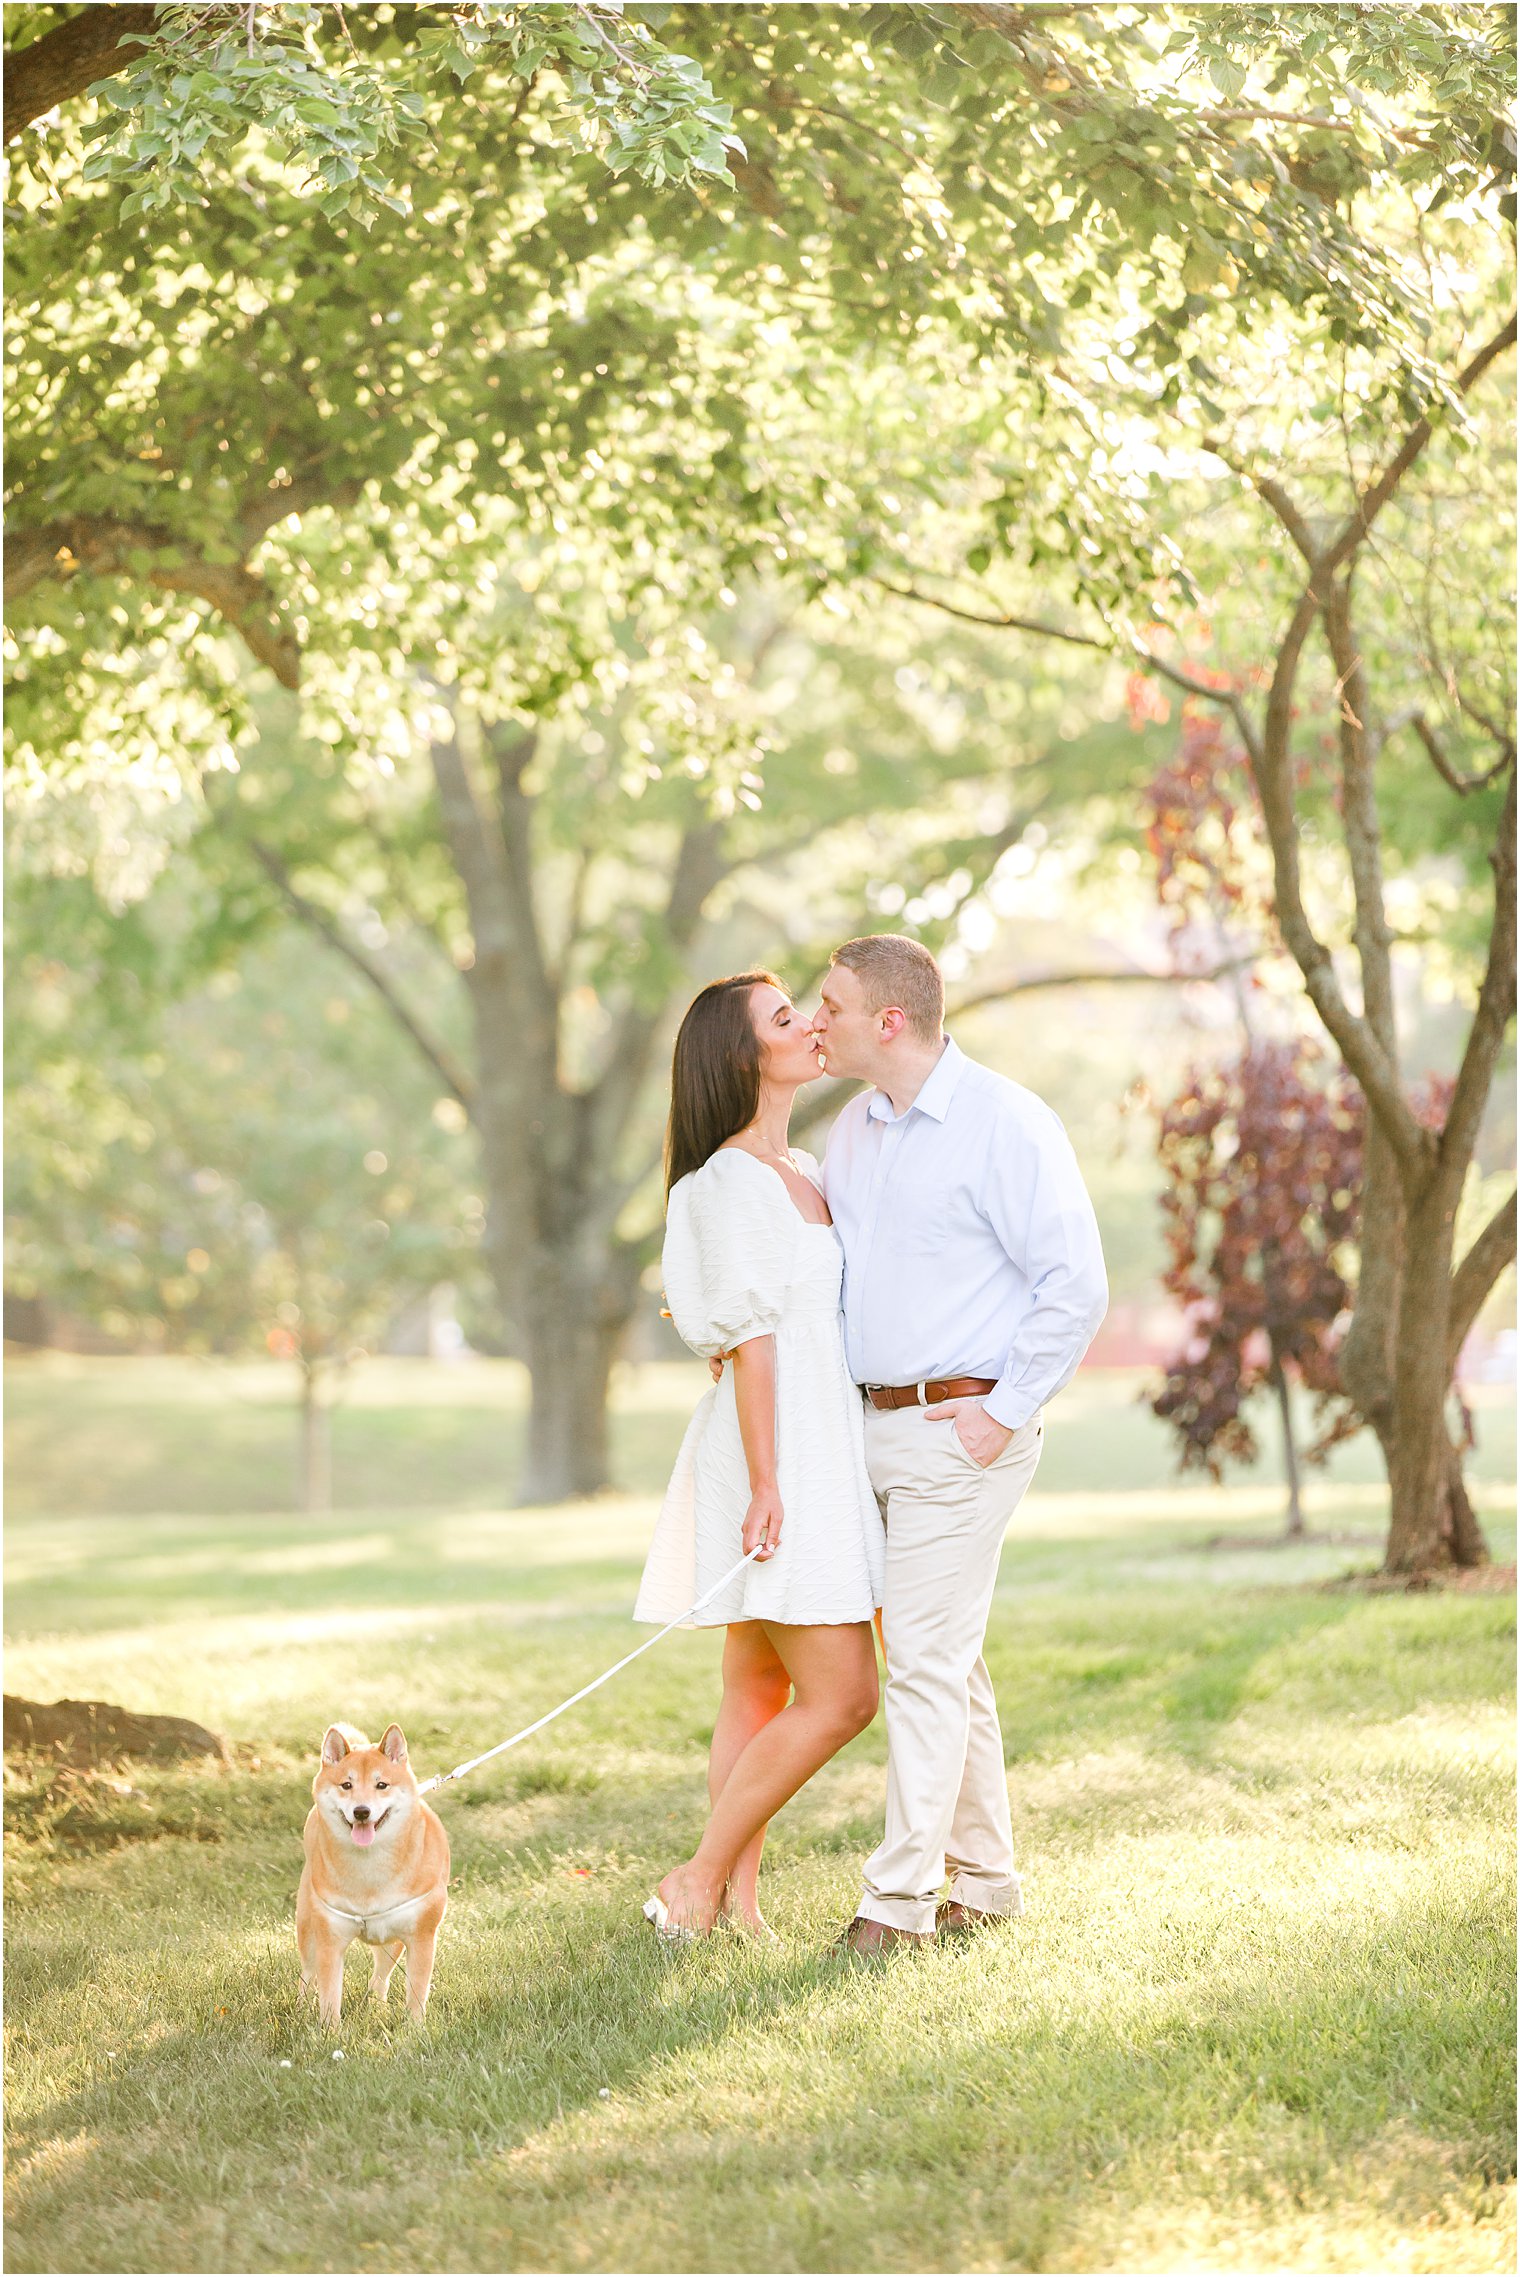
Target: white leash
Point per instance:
(442, 1778)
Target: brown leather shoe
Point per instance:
(873, 1940)
(956, 1920)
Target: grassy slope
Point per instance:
(1256, 2017)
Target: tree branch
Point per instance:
(998, 623)
(1461, 784)
(437, 1055)
(1273, 494)
(1478, 1273)
(1485, 720)
(401, 894)
(995, 994)
(1366, 1044)
(261, 513)
(475, 848)
(1495, 1010)
(99, 546)
(512, 751)
(1359, 1046)
(1377, 494)
(86, 47)
(1317, 125)
(1363, 826)
(1365, 1054)
(1226, 698)
(699, 866)
(978, 857)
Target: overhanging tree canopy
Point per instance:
(1102, 236)
(1003, 176)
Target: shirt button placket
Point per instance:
(890, 1133)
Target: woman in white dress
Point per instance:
(775, 1454)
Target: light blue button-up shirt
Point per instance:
(970, 1244)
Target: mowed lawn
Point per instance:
(1259, 2014)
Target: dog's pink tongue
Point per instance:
(364, 1836)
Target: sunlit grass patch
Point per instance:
(1257, 2015)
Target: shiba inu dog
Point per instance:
(377, 1869)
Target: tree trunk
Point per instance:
(1431, 1521)
(572, 1333)
(314, 1484)
(1295, 1526)
(1367, 1356)
(1468, 1544)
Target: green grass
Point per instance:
(1258, 2015)
(217, 1439)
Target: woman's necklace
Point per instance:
(752, 1142)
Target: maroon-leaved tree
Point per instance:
(1263, 1158)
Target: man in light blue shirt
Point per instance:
(973, 1285)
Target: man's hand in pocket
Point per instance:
(982, 1436)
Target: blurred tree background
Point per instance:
(514, 510)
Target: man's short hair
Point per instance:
(894, 970)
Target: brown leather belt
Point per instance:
(929, 1394)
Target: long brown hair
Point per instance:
(714, 1073)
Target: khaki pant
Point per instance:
(947, 1789)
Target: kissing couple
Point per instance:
(885, 1330)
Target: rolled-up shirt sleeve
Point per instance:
(1038, 1206)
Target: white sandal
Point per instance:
(669, 1932)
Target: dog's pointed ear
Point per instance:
(394, 1743)
(334, 1744)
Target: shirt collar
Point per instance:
(936, 1092)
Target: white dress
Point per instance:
(740, 1261)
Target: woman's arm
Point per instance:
(755, 1399)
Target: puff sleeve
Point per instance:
(730, 1242)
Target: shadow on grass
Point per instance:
(1013, 2100)
(373, 1572)
(767, 2116)
(582, 2015)
(1187, 1665)
(1213, 1688)
(1167, 1669)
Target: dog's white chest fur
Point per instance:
(379, 1924)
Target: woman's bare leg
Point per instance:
(833, 1674)
(755, 1689)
